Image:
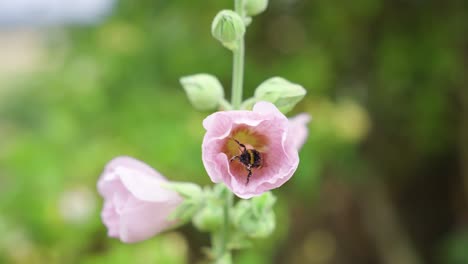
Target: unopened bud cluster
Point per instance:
(256, 218)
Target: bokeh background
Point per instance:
(384, 173)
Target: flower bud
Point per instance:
(185, 211)
(193, 199)
(203, 90)
(282, 93)
(255, 217)
(228, 27)
(263, 204)
(248, 104)
(209, 218)
(255, 7)
(136, 205)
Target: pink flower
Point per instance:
(298, 126)
(264, 129)
(136, 207)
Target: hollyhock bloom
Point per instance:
(264, 129)
(136, 207)
(298, 126)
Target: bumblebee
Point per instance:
(250, 158)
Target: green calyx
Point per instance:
(281, 92)
(204, 91)
(229, 28)
(210, 217)
(255, 217)
(255, 7)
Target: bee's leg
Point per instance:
(234, 158)
(240, 144)
(248, 175)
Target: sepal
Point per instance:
(255, 217)
(281, 92)
(228, 27)
(255, 7)
(209, 217)
(192, 203)
(204, 91)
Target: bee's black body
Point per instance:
(250, 158)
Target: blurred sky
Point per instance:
(51, 12)
(24, 25)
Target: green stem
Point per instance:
(238, 64)
(223, 254)
(220, 239)
(225, 105)
(225, 232)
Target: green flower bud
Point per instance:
(255, 217)
(185, 211)
(193, 199)
(204, 91)
(282, 93)
(248, 103)
(209, 218)
(228, 27)
(263, 204)
(255, 7)
(238, 241)
(263, 227)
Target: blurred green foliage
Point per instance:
(386, 85)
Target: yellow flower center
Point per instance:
(247, 136)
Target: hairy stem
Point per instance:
(223, 254)
(238, 64)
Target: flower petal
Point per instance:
(108, 183)
(266, 130)
(298, 129)
(144, 221)
(136, 206)
(143, 186)
(267, 108)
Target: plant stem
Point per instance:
(225, 105)
(220, 239)
(223, 254)
(238, 64)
